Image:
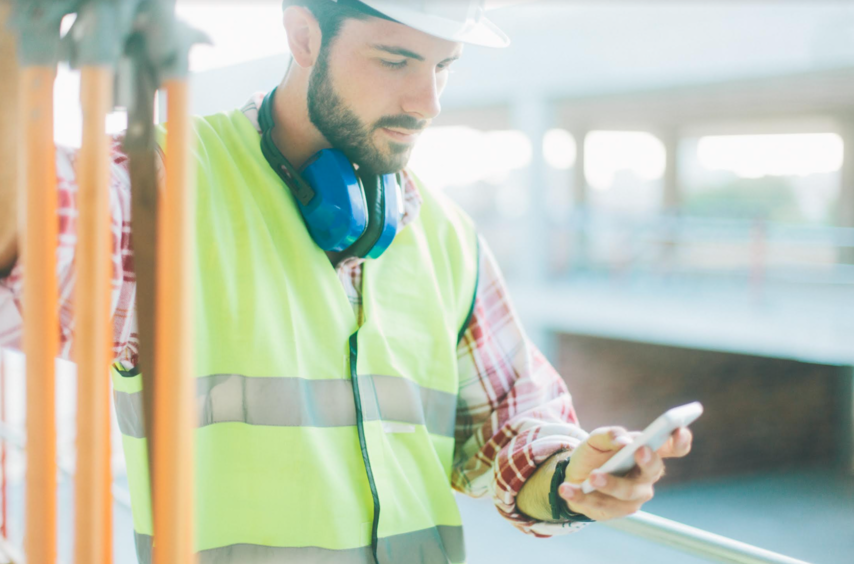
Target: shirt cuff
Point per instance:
(518, 461)
(11, 291)
(14, 279)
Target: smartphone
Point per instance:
(653, 436)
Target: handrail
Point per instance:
(715, 548)
(763, 251)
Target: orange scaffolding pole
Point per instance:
(174, 368)
(9, 180)
(93, 332)
(40, 315)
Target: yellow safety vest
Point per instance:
(317, 440)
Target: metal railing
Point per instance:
(759, 250)
(712, 547)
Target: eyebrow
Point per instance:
(407, 53)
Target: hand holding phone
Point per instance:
(654, 436)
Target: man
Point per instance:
(334, 424)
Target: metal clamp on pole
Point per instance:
(37, 25)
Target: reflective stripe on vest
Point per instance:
(438, 544)
(282, 441)
(295, 402)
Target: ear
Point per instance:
(304, 37)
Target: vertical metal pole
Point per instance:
(174, 367)
(40, 316)
(93, 332)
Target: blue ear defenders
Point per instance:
(345, 211)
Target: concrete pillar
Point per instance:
(671, 196)
(534, 116)
(580, 200)
(579, 173)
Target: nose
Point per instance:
(422, 100)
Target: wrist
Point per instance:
(533, 498)
(560, 510)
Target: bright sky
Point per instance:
(457, 156)
(240, 31)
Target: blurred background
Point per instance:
(669, 189)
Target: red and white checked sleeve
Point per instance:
(514, 410)
(123, 280)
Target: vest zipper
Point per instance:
(354, 354)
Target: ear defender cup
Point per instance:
(328, 193)
(392, 200)
(345, 212)
(382, 194)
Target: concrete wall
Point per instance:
(761, 414)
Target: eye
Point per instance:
(393, 64)
(445, 66)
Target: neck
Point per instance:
(294, 134)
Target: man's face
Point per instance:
(375, 88)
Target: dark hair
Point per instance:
(331, 14)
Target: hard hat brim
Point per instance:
(483, 33)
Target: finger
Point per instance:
(596, 505)
(626, 489)
(608, 439)
(599, 446)
(678, 445)
(650, 465)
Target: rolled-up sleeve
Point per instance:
(123, 280)
(514, 411)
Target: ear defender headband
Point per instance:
(344, 210)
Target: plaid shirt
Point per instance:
(513, 412)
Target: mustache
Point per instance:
(402, 122)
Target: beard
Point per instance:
(346, 132)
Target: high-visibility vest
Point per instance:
(309, 426)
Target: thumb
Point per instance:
(601, 445)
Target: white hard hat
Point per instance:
(455, 20)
